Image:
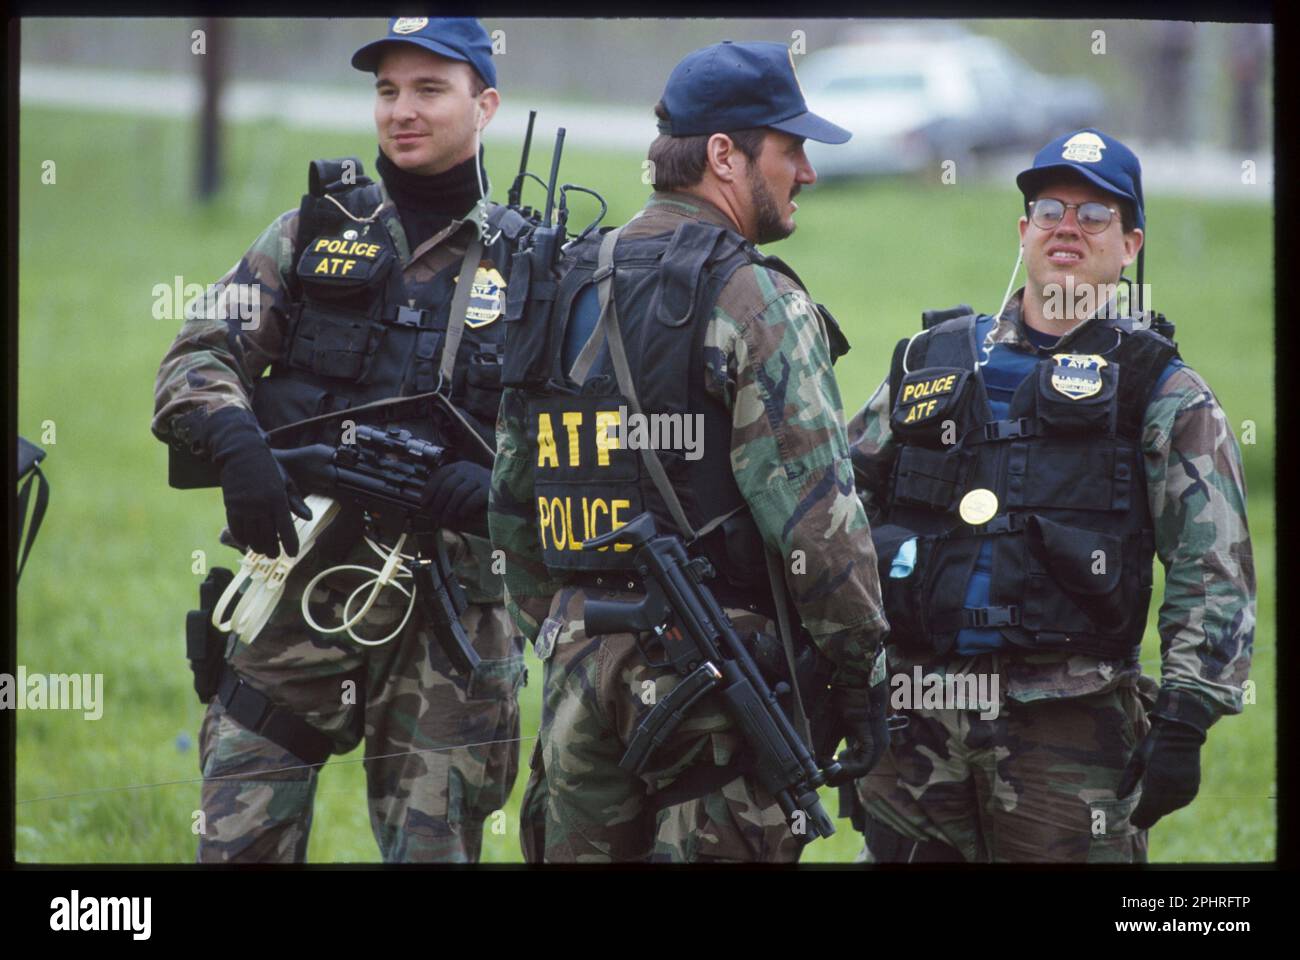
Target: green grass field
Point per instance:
(111, 577)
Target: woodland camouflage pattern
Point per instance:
(439, 765)
(426, 806)
(767, 360)
(1197, 494)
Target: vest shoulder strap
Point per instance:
(510, 222)
(1143, 356)
(932, 318)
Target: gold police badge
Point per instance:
(487, 297)
(1077, 375)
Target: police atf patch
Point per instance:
(487, 297)
(1077, 375)
(410, 24)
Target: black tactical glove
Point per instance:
(862, 716)
(257, 492)
(457, 497)
(1168, 765)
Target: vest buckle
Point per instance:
(993, 617)
(1007, 429)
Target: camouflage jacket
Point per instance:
(214, 362)
(767, 359)
(1197, 492)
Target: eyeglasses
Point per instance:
(1092, 217)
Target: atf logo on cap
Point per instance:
(1077, 375)
(1083, 148)
(410, 24)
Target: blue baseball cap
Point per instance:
(1098, 158)
(456, 38)
(735, 86)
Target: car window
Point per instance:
(875, 83)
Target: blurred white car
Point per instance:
(913, 98)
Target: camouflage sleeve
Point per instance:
(872, 449)
(1197, 491)
(791, 462)
(512, 519)
(230, 335)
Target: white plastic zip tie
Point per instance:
(265, 577)
(393, 570)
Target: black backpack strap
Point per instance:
(1143, 356)
(932, 318)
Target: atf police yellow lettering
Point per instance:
(546, 455)
(607, 439)
(927, 388)
(555, 521)
(335, 266)
(347, 248)
(919, 411)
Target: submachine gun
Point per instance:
(384, 473)
(701, 645)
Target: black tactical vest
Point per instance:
(1059, 487)
(587, 482)
(355, 337)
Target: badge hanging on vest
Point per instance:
(487, 297)
(1077, 375)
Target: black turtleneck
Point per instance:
(426, 204)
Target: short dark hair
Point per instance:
(1127, 212)
(679, 162)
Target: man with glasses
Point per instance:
(1020, 473)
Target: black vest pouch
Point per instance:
(929, 404)
(903, 596)
(1085, 569)
(338, 332)
(930, 478)
(1078, 394)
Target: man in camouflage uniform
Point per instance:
(1080, 755)
(442, 749)
(727, 166)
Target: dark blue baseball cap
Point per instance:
(1098, 158)
(735, 86)
(457, 38)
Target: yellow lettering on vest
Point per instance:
(927, 408)
(323, 266)
(615, 522)
(606, 440)
(543, 519)
(908, 390)
(572, 421)
(586, 520)
(348, 265)
(546, 442)
(320, 245)
(597, 505)
(574, 542)
(559, 534)
(372, 251)
(947, 382)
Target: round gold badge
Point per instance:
(979, 506)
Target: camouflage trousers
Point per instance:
(580, 806)
(441, 750)
(1037, 783)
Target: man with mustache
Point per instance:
(1022, 471)
(368, 292)
(713, 329)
